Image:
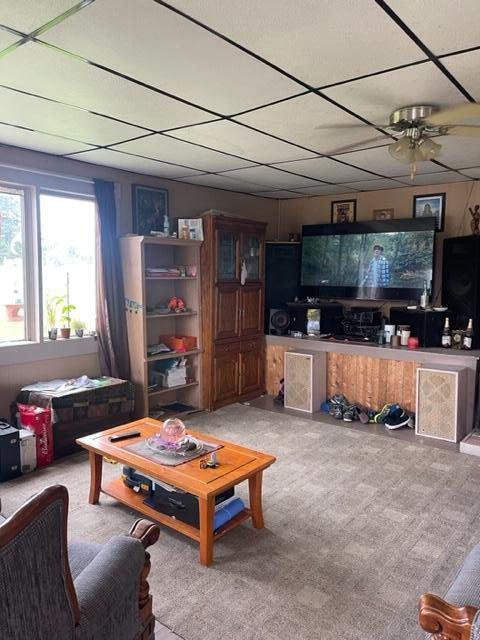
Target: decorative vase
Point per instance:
(52, 334)
(79, 333)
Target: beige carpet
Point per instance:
(358, 526)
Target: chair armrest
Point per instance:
(108, 590)
(447, 621)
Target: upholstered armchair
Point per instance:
(51, 590)
(456, 616)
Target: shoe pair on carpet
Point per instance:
(394, 417)
(391, 415)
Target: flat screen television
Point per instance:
(374, 260)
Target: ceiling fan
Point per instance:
(418, 125)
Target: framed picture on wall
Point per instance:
(343, 211)
(431, 205)
(383, 214)
(150, 210)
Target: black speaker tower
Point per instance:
(461, 282)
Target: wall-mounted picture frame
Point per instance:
(431, 205)
(343, 211)
(190, 228)
(383, 214)
(150, 210)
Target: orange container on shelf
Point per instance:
(179, 343)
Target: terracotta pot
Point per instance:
(65, 332)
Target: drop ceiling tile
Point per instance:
(234, 138)
(380, 161)
(75, 82)
(443, 25)
(459, 151)
(325, 169)
(224, 182)
(57, 119)
(279, 194)
(27, 16)
(318, 41)
(325, 190)
(465, 67)
(6, 39)
(271, 177)
(127, 162)
(473, 172)
(373, 185)
(443, 177)
(169, 149)
(376, 97)
(38, 141)
(155, 45)
(313, 122)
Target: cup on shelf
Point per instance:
(404, 336)
(389, 331)
(395, 341)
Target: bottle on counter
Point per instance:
(446, 334)
(424, 297)
(468, 337)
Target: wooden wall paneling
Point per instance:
(275, 356)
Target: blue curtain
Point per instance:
(111, 320)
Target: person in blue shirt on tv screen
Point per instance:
(378, 271)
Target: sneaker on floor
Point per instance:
(401, 419)
(411, 421)
(336, 412)
(350, 413)
(381, 415)
(339, 399)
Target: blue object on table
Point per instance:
(226, 511)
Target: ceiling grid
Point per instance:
(277, 99)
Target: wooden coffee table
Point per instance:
(236, 464)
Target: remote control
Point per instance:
(124, 436)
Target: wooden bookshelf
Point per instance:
(144, 327)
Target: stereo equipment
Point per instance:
(425, 324)
(305, 381)
(10, 464)
(461, 282)
(282, 274)
(303, 314)
(279, 321)
(441, 406)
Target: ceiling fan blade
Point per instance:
(458, 113)
(461, 130)
(349, 126)
(355, 145)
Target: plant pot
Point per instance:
(52, 334)
(79, 333)
(65, 332)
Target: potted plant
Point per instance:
(53, 304)
(66, 320)
(79, 327)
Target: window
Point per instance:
(12, 271)
(47, 270)
(68, 262)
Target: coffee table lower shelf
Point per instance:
(116, 489)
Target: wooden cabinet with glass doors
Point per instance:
(232, 261)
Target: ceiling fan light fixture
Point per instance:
(427, 149)
(403, 150)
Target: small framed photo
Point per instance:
(150, 210)
(430, 205)
(383, 214)
(190, 228)
(343, 211)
